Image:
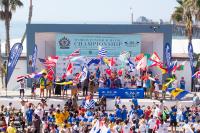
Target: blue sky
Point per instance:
(88, 11)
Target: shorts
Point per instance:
(145, 89)
(21, 91)
(173, 123)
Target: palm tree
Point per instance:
(29, 19)
(187, 12)
(7, 8)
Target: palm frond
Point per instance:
(14, 4)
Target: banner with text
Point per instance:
(89, 44)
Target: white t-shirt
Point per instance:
(156, 112)
(163, 128)
(39, 112)
(104, 129)
(187, 128)
(117, 128)
(196, 126)
(126, 129)
(139, 82)
(152, 123)
(156, 86)
(142, 128)
(175, 84)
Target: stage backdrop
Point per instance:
(89, 44)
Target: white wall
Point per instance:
(20, 69)
(186, 73)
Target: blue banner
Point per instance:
(34, 57)
(122, 92)
(13, 58)
(191, 56)
(167, 55)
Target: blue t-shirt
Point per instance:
(172, 115)
(139, 112)
(182, 84)
(148, 83)
(29, 115)
(118, 113)
(111, 118)
(135, 102)
(88, 113)
(51, 119)
(185, 115)
(124, 114)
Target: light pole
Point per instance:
(131, 10)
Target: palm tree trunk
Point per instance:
(29, 20)
(7, 46)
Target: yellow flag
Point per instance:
(65, 83)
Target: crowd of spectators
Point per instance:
(74, 118)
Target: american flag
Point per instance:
(102, 52)
(196, 75)
(74, 54)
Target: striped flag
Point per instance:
(53, 59)
(74, 54)
(102, 52)
(89, 104)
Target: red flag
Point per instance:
(108, 71)
(69, 69)
(112, 62)
(120, 72)
(138, 57)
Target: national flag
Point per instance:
(65, 83)
(177, 92)
(53, 59)
(69, 69)
(77, 77)
(120, 72)
(96, 127)
(112, 62)
(131, 65)
(124, 56)
(181, 66)
(102, 52)
(19, 78)
(42, 60)
(74, 54)
(105, 60)
(196, 75)
(162, 69)
(109, 71)
(166, 85)
(93, 61)
(142, 63)
(138, 57)
(155, 57)
(84, 74)
(50, 71)
(89, 104)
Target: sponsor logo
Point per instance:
(64, 43)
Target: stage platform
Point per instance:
(13, 96)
